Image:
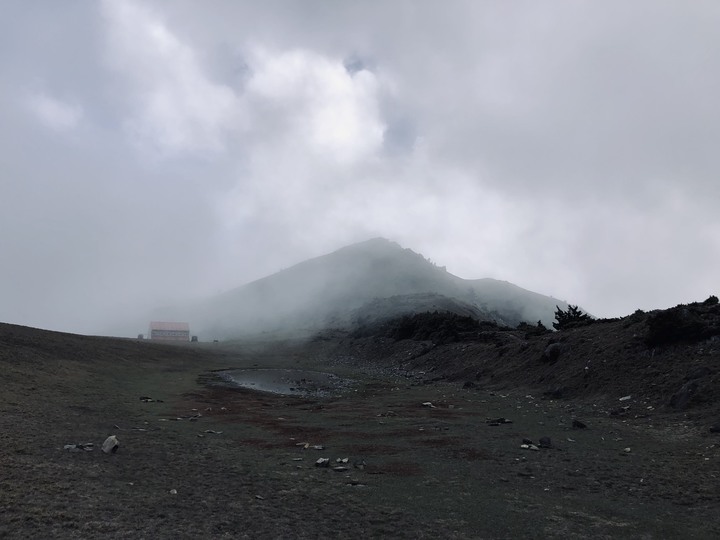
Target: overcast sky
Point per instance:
(153, 151)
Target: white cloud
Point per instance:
(567, 149)
(314, 138)
(302, 97)
(176, 107)
(54, 113)
(323, 108)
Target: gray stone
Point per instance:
(552, 353)
(111, 445)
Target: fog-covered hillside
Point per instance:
(373, 280)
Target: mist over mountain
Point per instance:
(365, 282)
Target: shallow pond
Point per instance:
(287, 382)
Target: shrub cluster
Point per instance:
(683, 323)
(537, 330)
(436, 327)
(571, 318)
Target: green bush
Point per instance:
(680, 324)
(532, 330)
(571, 318)
(436, 327)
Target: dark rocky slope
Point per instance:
(668, 360)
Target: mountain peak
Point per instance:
(377, 243)
(376, 277)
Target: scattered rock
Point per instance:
(428, 404)
(545, 442)
(148, 399)
(556, 393)
(88, 447)
(498, 421)
(619, 411)
(322, 462)
(552, 353)
(577, 424)
(173, 492)
(627, 450)
(360, 464)
(340, 468)
(682, 397)
(625, 398)
(259, 497)
(111, 445)
(213, 432)
(698, 373)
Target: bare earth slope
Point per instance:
(428, 455)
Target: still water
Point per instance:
(288, 382)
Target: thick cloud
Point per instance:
(158, 151)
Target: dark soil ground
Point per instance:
(204, 460)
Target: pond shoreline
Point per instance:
(287, 382)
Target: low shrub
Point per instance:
(436, 327)
(681, 324)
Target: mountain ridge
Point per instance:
(371, 280)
